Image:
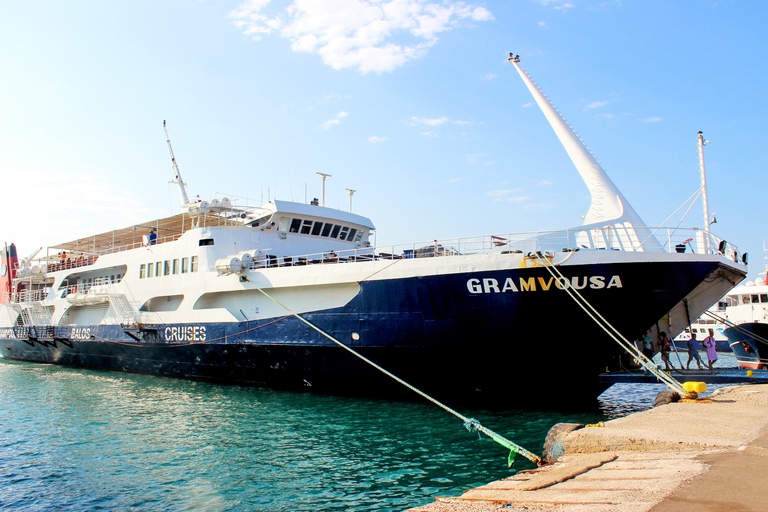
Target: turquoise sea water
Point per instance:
(75, 439)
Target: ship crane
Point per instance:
(178, 181)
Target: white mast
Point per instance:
(704, 199)
(322, 177)
(607, 204)
(180, 182)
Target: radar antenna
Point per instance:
(178, 181)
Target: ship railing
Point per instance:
(614, 238)
(26, 296)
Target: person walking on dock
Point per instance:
(666, 348)
(693, 352)
(711, 345)
(647, 345)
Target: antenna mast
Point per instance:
(704, 199)
(322, 177)
(179, 181)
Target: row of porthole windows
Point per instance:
(751, 298)
(168, 267)
(320, 228)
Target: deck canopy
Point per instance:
(167, 229)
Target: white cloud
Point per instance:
(605, 115)
(454, 180)
(376, 139)
(470, 123)
(528, 105)
(332, 122)
(543, 24)
(427, 121)
(596, 104)
(544, 183)
(507, 195)
(556, 4)
(358, 34)
(490, 76)
(650, 119)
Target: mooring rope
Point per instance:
(471, 424)
(614, 333)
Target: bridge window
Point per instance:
(295, 225)
(317, 228)
(206, 241)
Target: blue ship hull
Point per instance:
(457, 335)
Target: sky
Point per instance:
(411, 103)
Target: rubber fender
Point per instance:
(554, 444)
(666, 397)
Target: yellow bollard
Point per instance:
(749, 373)
(695, 387)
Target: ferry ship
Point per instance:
(282, 294)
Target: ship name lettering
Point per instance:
(185, 333)
(80, 333)
(532, 284)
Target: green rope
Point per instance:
(470, 423)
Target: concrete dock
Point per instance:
(710, 456)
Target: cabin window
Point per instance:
(335, 232)
(295, 225)
(206, 241)
(351, 235)
(260, 221)
(184, 265)
(158, 269)
(176, 266)
(306, 227)
(150, 269)
(317, 228)
(193, 264)
(344, 231)
(745, 299)
(142, 271)
(764, 297)
(327, 229)
(167, 268)
(359, 235)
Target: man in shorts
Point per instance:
(693, 352)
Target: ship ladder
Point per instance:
(470, 424)
(124, 310)
(614, 333)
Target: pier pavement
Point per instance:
(705, 456)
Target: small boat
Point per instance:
(288, 294)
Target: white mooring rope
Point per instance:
(670, 381)
(470, 423)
